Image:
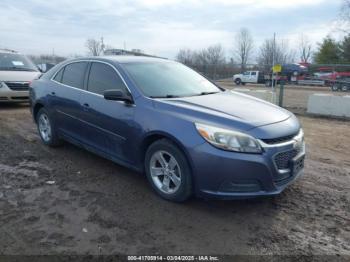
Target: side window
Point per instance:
(246, 73)
(73, 74)
(59, 75)
(253, 73)
(103, 77)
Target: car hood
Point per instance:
(12, 76)
(240, 107)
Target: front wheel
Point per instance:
(46, 128)
(335, 87)
(238, 81)
(168, 171)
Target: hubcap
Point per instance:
(165, 172)
(44, 127)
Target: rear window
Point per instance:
(73, 75)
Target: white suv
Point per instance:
(16, 72)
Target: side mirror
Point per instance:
(117, 95)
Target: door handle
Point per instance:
(53, 93)
(86, 107)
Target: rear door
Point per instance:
(253, 77)
(107, 124)
(65, 98)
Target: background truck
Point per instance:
(256, 77)
(290, 74)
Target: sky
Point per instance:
(160, 27)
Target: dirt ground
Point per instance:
(69, 201)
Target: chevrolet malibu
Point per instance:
(188, 135)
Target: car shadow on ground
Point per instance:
(13, 106)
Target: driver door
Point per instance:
(107, 124)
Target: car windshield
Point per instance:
(169, 79)
(16, 62)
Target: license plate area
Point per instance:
(297, 164)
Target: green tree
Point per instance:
(328, 52)
(345, 49)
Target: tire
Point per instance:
(268, 83)
(335, 87)
(46, 129)
(172, 180)
(238, 81)
(344, 88)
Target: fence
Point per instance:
(227, 70)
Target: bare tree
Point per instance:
(305, 49)
(209, 61)
(94, 46)
(279, 50)
(243, 47)
(201, 57)
(47, 58)
(185, 56)
(215, 56)
(344, 17)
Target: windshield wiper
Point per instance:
(166, 96)
(208, 93)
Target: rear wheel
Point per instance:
(46, 128)
(168, 171)
(335, 87)
(344, 88)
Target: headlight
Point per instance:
(228, 139)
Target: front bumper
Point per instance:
(229, 175)
(8, 95)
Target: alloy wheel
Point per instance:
(165, 172)
(44, 127)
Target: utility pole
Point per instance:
(53, 55)
(102, 46)
(273, 64)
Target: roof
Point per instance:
(125, 59)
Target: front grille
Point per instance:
(282, 160)
(279, 139)
(18, 86)
(20, 97)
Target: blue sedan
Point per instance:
(159, 117)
